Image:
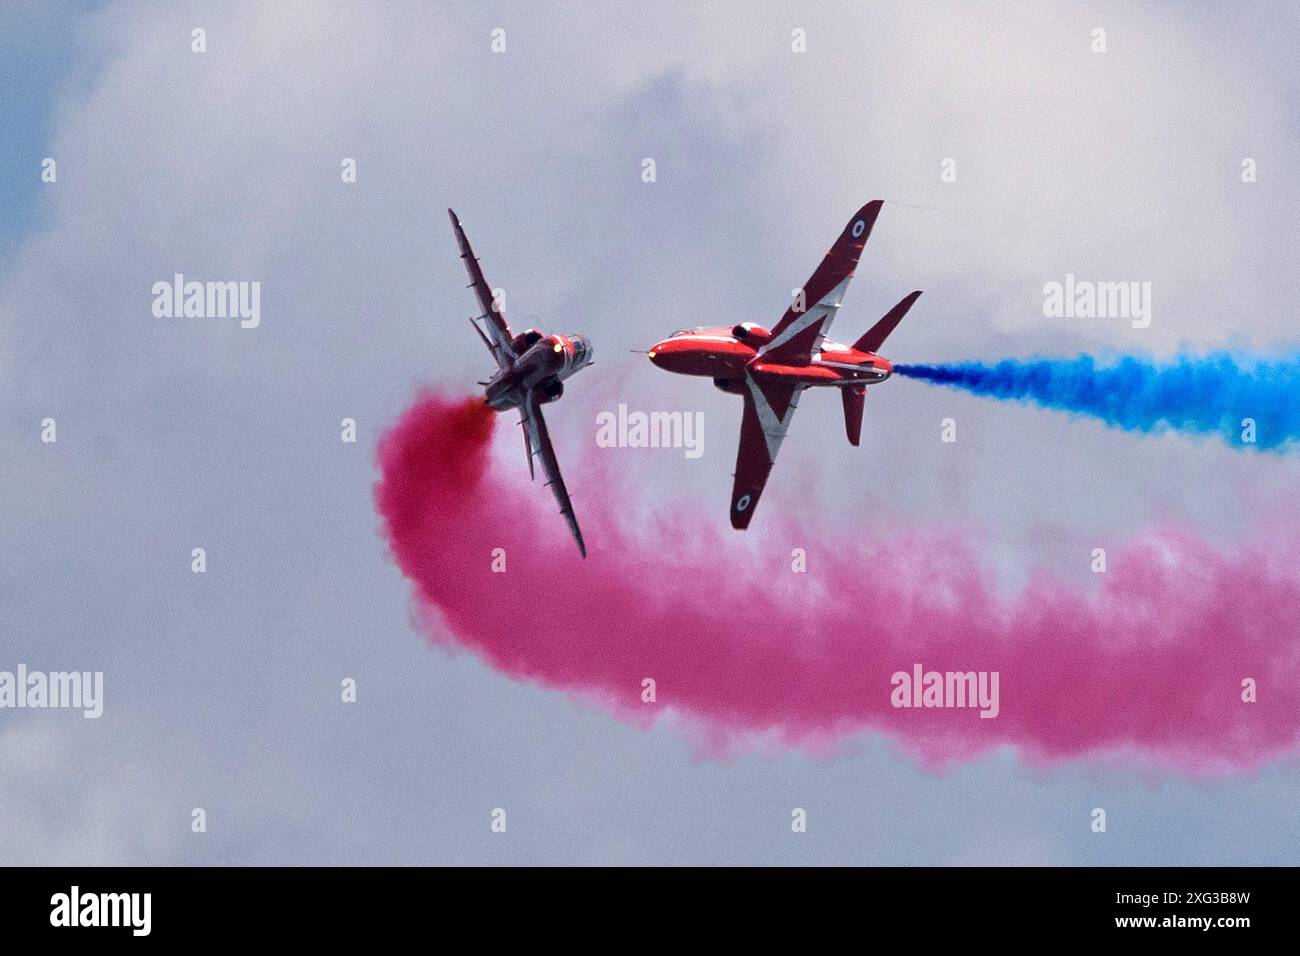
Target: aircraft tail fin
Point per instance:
(876, 335)
(854, 397)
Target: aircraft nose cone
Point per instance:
(658, 355)
(582, 350)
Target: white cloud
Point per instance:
(78, 793)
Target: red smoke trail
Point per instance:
(745, 650)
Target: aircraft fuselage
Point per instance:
(545, 364)
(722, 354)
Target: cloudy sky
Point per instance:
(222, 688)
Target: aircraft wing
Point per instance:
(499, 338)
(805, 324)
(539, 444)
(769, 409)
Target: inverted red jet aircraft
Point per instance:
(531, 369)
(770, 369)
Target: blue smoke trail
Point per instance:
(1206, 395)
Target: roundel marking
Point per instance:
(742, 502)
(858, 228)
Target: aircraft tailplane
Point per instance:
(876, 335)
(854, 398)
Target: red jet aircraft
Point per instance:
(771, 369)
(531, 369)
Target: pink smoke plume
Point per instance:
(744, 652)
